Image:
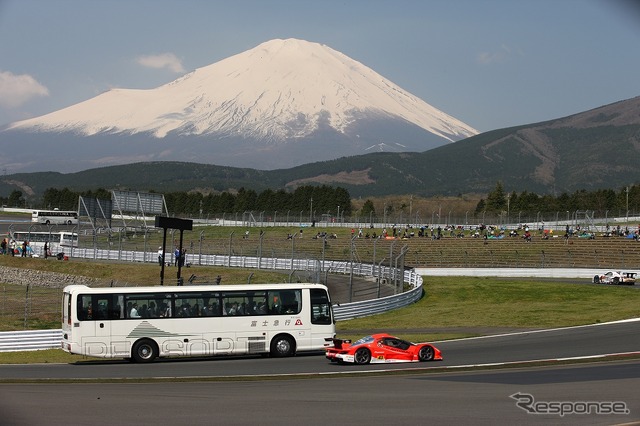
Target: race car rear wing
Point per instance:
(337, 343)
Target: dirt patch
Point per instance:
(23, 186)
(360, 177)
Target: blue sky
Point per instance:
(489, 63)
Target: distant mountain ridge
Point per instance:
(595, 149)
(282, 103)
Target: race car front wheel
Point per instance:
(362, 356)
(426, 353)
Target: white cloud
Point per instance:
(15, 90)
(500, 55)
(163, 60)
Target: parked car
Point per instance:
(380, 348)
(616, 278)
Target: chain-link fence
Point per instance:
(29, 307)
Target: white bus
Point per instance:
(57, 241)
(54, 217)
(142, 323)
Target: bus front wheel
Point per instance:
(144, 350)
(282, 346)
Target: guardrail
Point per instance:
(364, 308)
(31, 340)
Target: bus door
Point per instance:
(97, 313)
(103, 310)
(321, 317)
(95, 332)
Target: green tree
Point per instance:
(245, 200)
(496, 199)
(15, 199)
(368, 209)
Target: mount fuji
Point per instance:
(281, 104)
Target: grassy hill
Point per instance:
(591, 150)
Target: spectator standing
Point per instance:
(183, 257)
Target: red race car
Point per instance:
(380, 348)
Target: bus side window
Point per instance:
(320, 307)
(290, 301)
(85, 309)
(275, 304)
(102, 306)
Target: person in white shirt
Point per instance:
(134, 311)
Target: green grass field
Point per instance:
(471, 303)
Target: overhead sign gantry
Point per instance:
(172, 223)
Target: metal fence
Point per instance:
(29, 307)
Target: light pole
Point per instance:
(627, 220)
(293, 248)
(384, 216)
(230, 246)
(410, 206)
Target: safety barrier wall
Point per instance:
(364, 308)
(13, 341)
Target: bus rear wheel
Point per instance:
(282, 346)
(144, 350)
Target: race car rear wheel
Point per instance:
(426, 353)
(596, 279)
(362, 356)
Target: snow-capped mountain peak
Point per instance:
(278, 90)
(281, 104)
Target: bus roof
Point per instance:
(188, 288)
